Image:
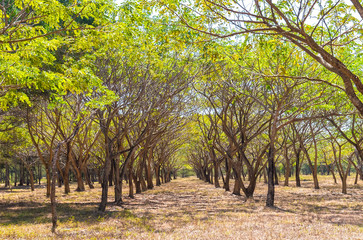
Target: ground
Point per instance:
(188, 208)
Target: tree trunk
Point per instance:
(66, 180)
(110, 177)
(228, 175)
(59, 179)
(157, 175)
(333, 174)
(80, 183)
(104, 184)
(7, 175)
(270, 176)
(21, 174)
(251, 187)
(48, 180)
(149, 176)
(118, 182)
(30, 171)
(137, 184)
(216, 175)
(39, 173)
(315, 178)
(287, 170)
(143, 184)
(297, 165)
(88, 178)
(356, 178)
(237, 186)
(131, 186)
(276, 177)
(344, 184)
(53, 188)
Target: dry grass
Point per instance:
(189, 209)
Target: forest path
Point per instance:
(192, 209)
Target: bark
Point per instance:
(48, 180)
(88, 178)
(344, 185)
(216, 175)
(131, 185)
(251, 187)
(31, 175)
(228, 175)
(270, 201)
(137, 184)
(149, 176)
(276, 177)
(21, 174)
(66, 180)
(39, 173)
(7, 175)
(264, 175)
(287, 170)
(331, 169)
(297, 172)
(80, 183)
(104, 184)
(53, 188)
(157, 175)
(118, 182)
(143, 184)
(15, 177)
(237, 182)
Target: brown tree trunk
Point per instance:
(131, 185)
(105, 178)
(287, 170)
(157, 175)
(21, 174)
(143, 183)
(53, 188)
(251, 187)
(270, 201)
(216, 175)
(228, 175)
(118, 182)
(80, 183)
(149, 176)
(356, 178)
(7, 175)
(276, 179)
(344, 184)
(237, 182)
(87, 175)
(48, 180)
(30, 171)
(315, 178)
(110, 177)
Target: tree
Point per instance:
(327, 31)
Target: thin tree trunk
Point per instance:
(53, 188)
(7, 175)
(270, 201)
(105, 178)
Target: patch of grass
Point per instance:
(189, 209)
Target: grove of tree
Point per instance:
(144, 91)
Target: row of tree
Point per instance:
(98, 90)
(250, 121)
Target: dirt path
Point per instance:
(189, 209)
(192, 209)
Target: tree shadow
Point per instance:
(34, 212)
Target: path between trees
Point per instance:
(188, 208)
(191, 209)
